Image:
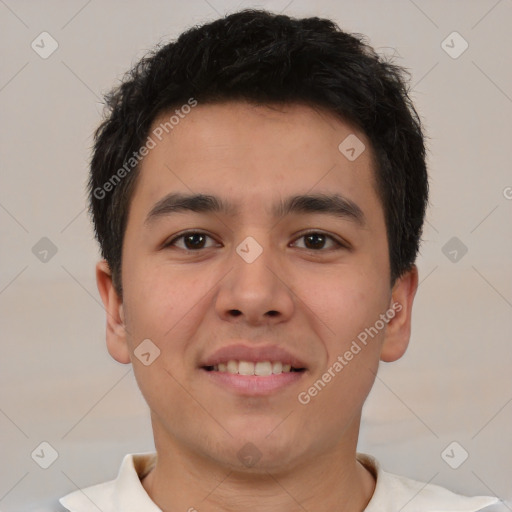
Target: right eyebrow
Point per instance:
(179, 203)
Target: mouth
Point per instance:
(248, 378)
(248, 370)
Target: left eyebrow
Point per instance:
(330, 204)
(333, 204)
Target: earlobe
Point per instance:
(115, 330)
(398, 330)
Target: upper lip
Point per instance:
(239, 352)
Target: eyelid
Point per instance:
(340, 243)
(170, 242)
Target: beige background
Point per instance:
(57, 381)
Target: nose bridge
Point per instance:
(254, 287)
(256, 261)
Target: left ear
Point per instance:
(398, 330)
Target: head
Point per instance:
(252, 110)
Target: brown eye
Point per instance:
(192, 240)
(316, 241)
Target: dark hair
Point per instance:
(264, 58)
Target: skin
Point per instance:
(190, 302)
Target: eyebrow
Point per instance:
(330, 204)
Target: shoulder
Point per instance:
(124, 493)
(96, 497)
(395, 492)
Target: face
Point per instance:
(297, 285)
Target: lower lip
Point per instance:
(254, 385)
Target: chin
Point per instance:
(256, 451)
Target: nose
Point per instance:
(256, 292)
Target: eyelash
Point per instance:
(339, 244)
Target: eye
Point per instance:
(317, 240)
(193, 240)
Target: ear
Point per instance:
(116, 330)
(398, 330)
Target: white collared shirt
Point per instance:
(392, 493)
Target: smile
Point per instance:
(247, 378)
(260, 368)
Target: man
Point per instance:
(258, 189)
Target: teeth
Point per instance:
(232, 367)
(277, 368)
(261, 368)
(245, 368)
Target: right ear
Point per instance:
(116, 329)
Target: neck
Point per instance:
(185, 481)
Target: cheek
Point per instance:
(165, 306)
(342, 384)
(160, 307)
(159, 297)
(350, 306)
(347, 300)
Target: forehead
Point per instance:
(249, 153)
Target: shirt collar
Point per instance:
(129, 494)
(392, 492)
(126, 493)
